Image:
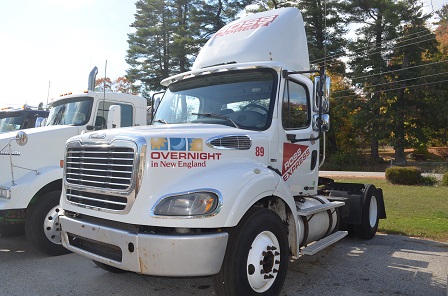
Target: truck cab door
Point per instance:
(298, 150)
(112, 114)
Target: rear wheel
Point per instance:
(42, 226)
(370, 218)
(256, 258)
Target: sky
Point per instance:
(49, 47)
(56, 43)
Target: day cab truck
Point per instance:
(225, 181)
(30, 160)
(23, 118)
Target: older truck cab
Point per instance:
(31, 160)
(18, 119)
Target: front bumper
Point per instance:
(152, 254)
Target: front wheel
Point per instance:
(42, 224)
(256, 258)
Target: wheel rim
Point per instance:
(52, 228)
(263, 261)
(373, 211)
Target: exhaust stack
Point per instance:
(92, 77)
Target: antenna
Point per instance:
(48, 94)
(104, 90)
(104, 82)
(325, 34)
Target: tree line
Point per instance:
(388, 78)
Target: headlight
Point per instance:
(188, 204)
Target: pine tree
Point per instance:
(149, 51)
(168, 36)
(406, 104)
(370, 51)
(325, 29)
(436, 88)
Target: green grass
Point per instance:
(420, 211)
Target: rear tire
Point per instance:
(369, 220)
(42, 224)
(256, 259)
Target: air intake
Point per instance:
(230, 142)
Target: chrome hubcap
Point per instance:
(52, 228)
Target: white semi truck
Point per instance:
(225, 181)
(31, 160)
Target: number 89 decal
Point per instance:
(259, 151)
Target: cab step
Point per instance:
(320, 208)
(323, 243)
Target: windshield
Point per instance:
(240, 99)
(10, 122)
(74, 111)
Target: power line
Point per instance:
(385, 42)
(391, 89)
(380, 50)
(398, 70)
(403, 80)
(387, 46)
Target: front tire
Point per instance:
(256, 259)
(42, 224)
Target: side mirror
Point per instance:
(114, 117)
(323, 122)
(325, 87)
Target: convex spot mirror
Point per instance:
(325, 94)
(323, 121)
(21, 138)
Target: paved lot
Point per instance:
(385, 265)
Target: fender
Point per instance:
(29, 185)
(284, 193)
(241, 184)
(255, 189)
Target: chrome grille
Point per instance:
(111, 202)
(104, 176)
(231, 142)
(106, 167)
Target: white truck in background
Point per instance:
(23, 118)
(31, 160)
(225, 181)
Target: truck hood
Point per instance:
(45, 148)
(169, 130)
(47, 130)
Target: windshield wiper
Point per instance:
(213, 115)
(161, 121)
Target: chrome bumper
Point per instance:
(152, 254)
